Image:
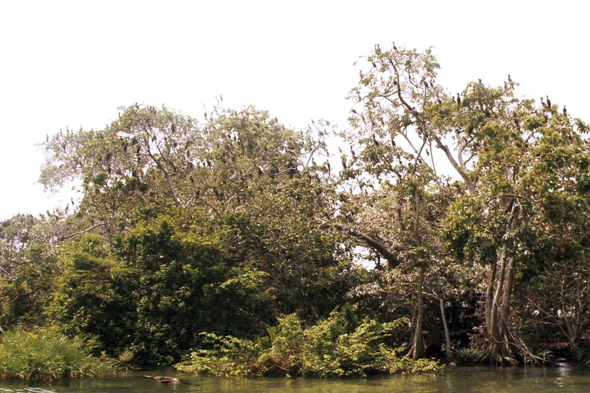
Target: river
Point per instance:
(565, 379)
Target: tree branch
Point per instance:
(390, 256)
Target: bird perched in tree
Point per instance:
(548, 102)
(375, 141)
(509, 79)
(542, 102)
(564, 111)
(458, 99)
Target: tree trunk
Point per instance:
(497, 327)
(417, 349)
(448, 350)
(490, 295)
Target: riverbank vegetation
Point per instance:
(448, 224)
(340, 345)
(48, 354)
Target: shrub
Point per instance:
(332, 347)
(47, 354)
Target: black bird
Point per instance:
(548, 102)
(564, 111)
(480, 81)
(509, 79)
(458, 99)
(542, 102)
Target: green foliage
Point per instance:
(95, 294)
(28, 267)
(325, 349)
(44, 353)
(151, 293)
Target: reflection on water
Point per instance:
(568, 379)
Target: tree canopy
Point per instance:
(471, 206)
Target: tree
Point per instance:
(395, 140)
(242, 182)
(497, 146)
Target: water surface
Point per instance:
(566, 379)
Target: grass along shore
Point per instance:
(47, 354)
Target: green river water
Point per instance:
(472, 379)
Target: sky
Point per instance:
(73, 63)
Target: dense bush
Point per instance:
(47, 354)
(336, 346)
(148, 296)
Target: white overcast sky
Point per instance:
(72, 63)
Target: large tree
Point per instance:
(504, 152)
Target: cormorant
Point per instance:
(548, 102)
(509, 80)
(564, 111)
(375, 141)
(458, 99)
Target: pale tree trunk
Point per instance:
(417, 349)
(448, 350)
(498, 309)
